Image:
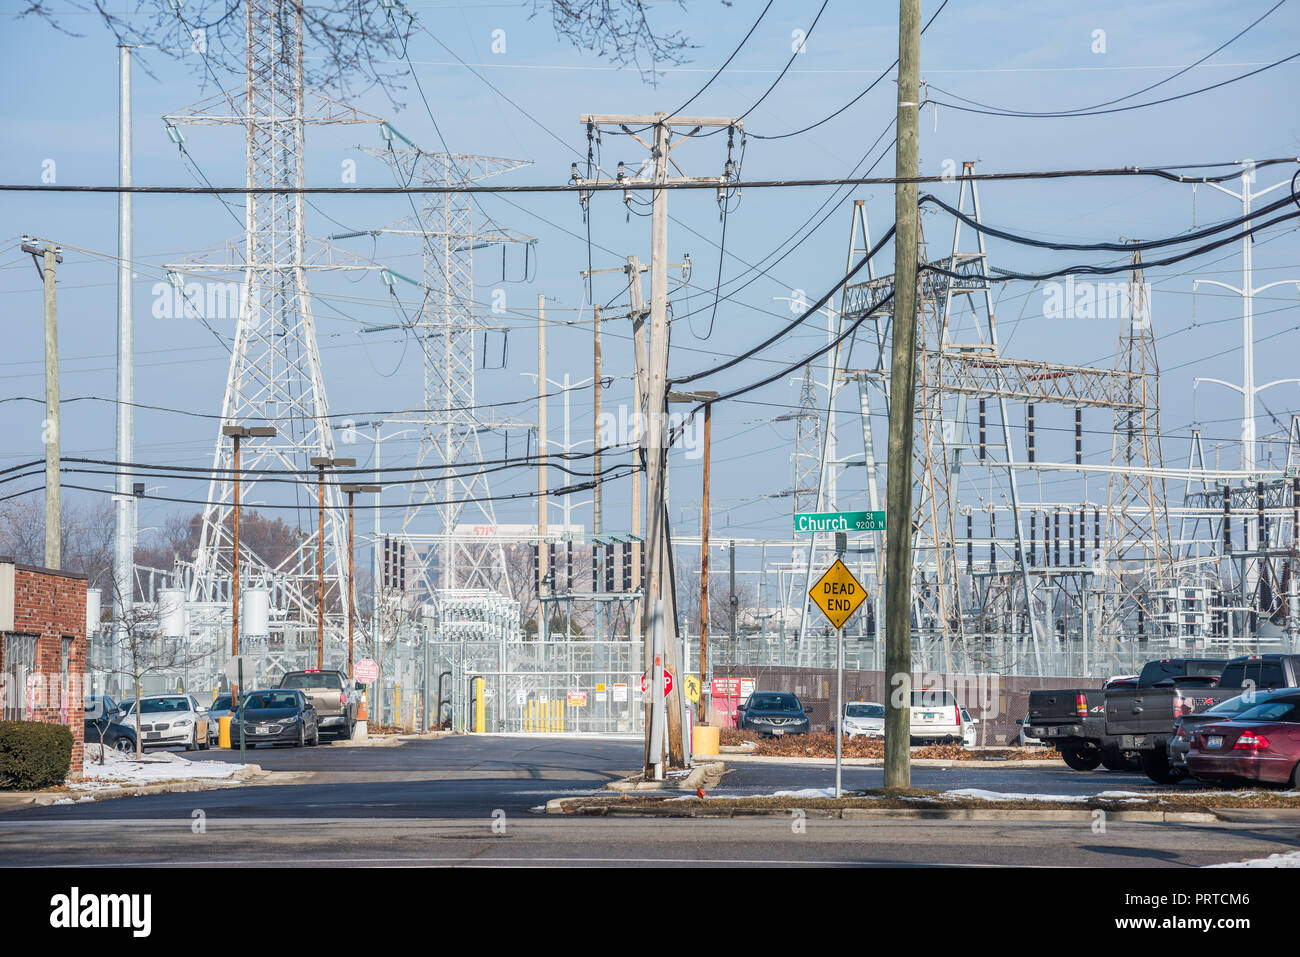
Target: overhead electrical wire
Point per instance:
(870, 86)
(1166, 172)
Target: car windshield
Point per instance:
(271, 699)
(1286, 709)
(321, 679)
(164, 705)
(222, 703)
(864, 711)
(773, 702)
(933, 698)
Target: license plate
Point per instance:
(777, 732)
(261, 730)
(1214, 741)
(927, 716)
(152, 735)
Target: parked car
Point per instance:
(221, 708)
(275, 716)
(168, 720)
(332, 695)
(1073, 720)
(774, 713)
(935, 716)
(968, 736)
(99, 712)
(1186, 725)
(1142, 718)
(1259, 744)
(1027, 738)
(865, 719)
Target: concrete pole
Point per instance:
(234, 589)
(658, 581)
(124, 530)
(542, 552)
(595, 420)
(320, 567)
(898, 556)
(53, 511)
(704, 570)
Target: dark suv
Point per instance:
(774, 713)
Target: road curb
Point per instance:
(250, 774)
(682, 809)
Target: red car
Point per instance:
(1261, 744)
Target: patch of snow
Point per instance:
(125, 770)
(1288, 859)
(807, 793)
(983, 795)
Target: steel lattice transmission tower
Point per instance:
(275, 369)
(448, 321)
(1140, 561)
(807, 446)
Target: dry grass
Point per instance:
(823, 746)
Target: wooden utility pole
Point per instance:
(350, 491)
(641, 358)
(658, 570)
(898, 548)
(706, 399)
(321, 463)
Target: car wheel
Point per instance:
(124, 745)
(1157, 767)
(346, 733)
(193, 743)
(1295, 777)
(1113, 759)
(1081, 758)
(302, 736)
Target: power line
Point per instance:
(1163, 172)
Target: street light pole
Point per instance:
(706, 399)
(236, 433)
(350, 491)
(320, 463)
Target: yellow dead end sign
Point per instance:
(838, 594)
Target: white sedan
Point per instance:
(169, 720)
(864, 719)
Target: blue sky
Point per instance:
(60, 104)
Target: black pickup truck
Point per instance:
(1074, 721)
(1142, 718)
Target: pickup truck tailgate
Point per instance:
(1062, 706)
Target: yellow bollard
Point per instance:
(480, 706)
(704, 740)
(223, 731)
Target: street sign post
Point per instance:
(813, 522)
(838, 594)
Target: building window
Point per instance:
(19, 663)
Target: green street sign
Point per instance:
(811, 522)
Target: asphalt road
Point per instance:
(467, 801)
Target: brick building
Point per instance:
(43, 648)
